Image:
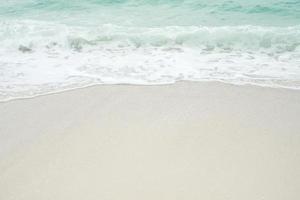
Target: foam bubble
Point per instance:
(40, 57)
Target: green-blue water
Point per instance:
(49, 45)
(157, 12)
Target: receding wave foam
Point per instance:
(40, 57)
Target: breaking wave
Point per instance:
(39, 57)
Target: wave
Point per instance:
(39, 35)
(39, 57)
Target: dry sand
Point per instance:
(187, 141)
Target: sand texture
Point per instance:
(186, 141)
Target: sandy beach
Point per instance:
(185, 141)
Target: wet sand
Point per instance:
(182, 141)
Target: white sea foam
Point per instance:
(42, 57)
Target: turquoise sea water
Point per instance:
(157, 12)
(51, 45)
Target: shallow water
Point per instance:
(51, 45)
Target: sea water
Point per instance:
(53, 45)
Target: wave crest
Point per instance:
(39, 57)
(226, 38)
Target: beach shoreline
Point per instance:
(67, 89)
(188, 140)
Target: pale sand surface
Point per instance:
(187, 141)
